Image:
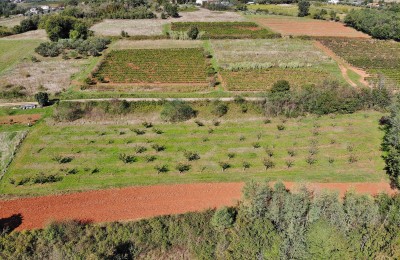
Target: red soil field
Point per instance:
(316, 28)
(19, 119)
(135, 203)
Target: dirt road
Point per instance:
(134, 203)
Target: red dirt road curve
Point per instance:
(134, 203)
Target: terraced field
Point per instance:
(155, 66)
(375, 56)
(226, 30)
(61, 157)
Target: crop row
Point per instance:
(154, 65)
(226, 30)
(264, 79)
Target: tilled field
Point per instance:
(142, 202)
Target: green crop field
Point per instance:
(251, 65)
(375, 56)
(141, 66)
(93, 156)
(225, 30)
(13, 51)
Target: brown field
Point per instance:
(316, 28)
(135, 203)
(19, 119)
(30, 35)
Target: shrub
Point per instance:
(289, 163)
(42, 98)
(183, 167)
(41, 178)
(147, 124)
(313, 150)
(269, 152)
(161, 168)
(256, 145)
(231, 155)
(150, 158)
(281, 127)
(311, 160)
(199, 123)
(177, 111)
(158, 148)
(268, 164)
(193, 32)
(191, 156)
(62, 160)
(140, 149)
(223, 218)
(352, 158)
(246, 165)
(280, 86)
(127, 158)
(157, 131)
(304, 7)
(219, 108)
(139, 131)
(224, 165)
(291, 152)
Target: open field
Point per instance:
(225, 30)
(310, 27)
(263, 80)
(9, 141)
(255, 65)
(13, 51)
(375, 56)
(11, 21)
(155, 44)
(155, 66)
(132, 203)
(268, 53)
(30, 35)
(155, 26)
(88, 156)
(39, 76)
(292, 9)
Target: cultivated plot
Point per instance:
(310, 27)
(254, 65)
(154, 66)
(375, 56)
(65, 157)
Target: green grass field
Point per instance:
(94, 151)
(13, 51)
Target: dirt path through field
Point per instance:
(142, 202)
(344, 66)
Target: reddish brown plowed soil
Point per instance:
(142, 202)
(316, 28)
(19, 119)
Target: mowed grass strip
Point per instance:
(226, 30)
(155, 66)
(13, 51)
(344, 148)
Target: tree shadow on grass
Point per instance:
(7, 225)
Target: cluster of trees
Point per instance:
(28, 24)
(270, 223)
(379, 24)
(391, 143)
(76, 47)
(8, 8)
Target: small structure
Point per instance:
(335, 2)
(28, 106)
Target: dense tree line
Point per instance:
(379, 24)
(270, 223)
(391, 143)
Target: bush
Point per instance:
(280, 86)
(127, 158)
(161, 168)
(223, 218)
(158, 148)
(219, 108)
(177, 111)
(42, 98)
(268, 164)
(41, 178)
(224, 165)
(193, 32)
(191, 156)
(183, 167)
(304, 7)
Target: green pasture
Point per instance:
(13, 51)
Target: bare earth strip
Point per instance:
(316, 28)
(142, 202)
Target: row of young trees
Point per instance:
(270, 223)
